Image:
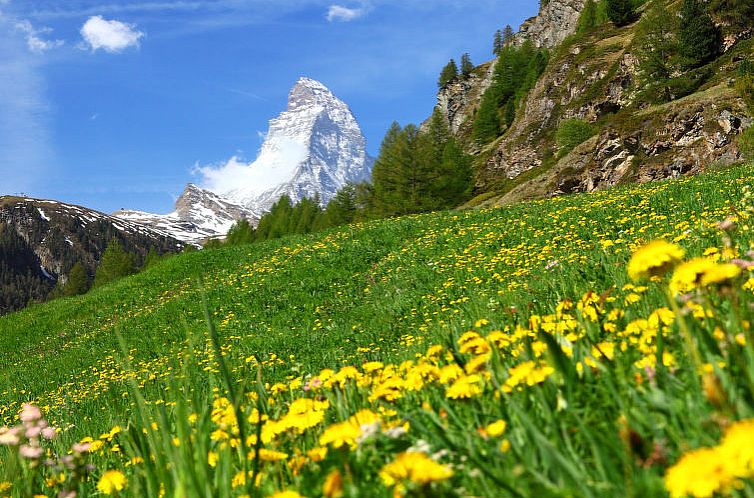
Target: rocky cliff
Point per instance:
(597, 79)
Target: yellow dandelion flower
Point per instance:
(496, 429)
(414, 467)
(111, 482)
(699, 474)
(654, 259)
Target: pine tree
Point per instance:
(240, 233)
(588, 17)
(385, 175)
(620, 12)
(448, 74)
(78, 281)
(114, 264)
(151, 259)
(699, 39)
(453, 182)
(341, 210)
(508, 35)
(657, 50)
(497, 42)
(466, 65)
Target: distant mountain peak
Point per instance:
(311, 149)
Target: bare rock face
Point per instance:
(459, 99)
(556, 20)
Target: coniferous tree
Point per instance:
(78, 281)
(497, 42)
(341, 210)
(385, 175)
(453, 182)
(508, 34)
(657, 50)
(305, 215)
(448, 74)
(114, 264)
(240, 233)
(466, 65)
(620, 12)
(588, 17)
(151, 259)
(699, 39)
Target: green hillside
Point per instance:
(534, 318)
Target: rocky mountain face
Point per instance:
(597, 79)
(41, 240)
(199, 215)
(556, 20)
(311, 150)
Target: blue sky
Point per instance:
(113, 103)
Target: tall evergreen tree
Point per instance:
(699, 39)
(385, 175)
(508, 34)
(114, 264)
(453, 182)
(620, 12)
(657, 50)
(588, 17)
(240, 233)
(341, 210)
(78, 281)
(448, 74)
(466, 65)
(497, 42)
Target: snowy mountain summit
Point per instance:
(311, 150)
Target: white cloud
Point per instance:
(274, 165)
(34, 40)
(111, 36)
(344, 14)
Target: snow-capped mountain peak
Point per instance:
(311, 149)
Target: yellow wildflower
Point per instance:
(414, 467)
(111, 482)
(655, 258)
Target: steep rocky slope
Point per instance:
(199, 215)
(596, 78)
(41, 240)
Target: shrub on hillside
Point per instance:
(573, 132)
(746, 143)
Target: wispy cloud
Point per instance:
(25, 144)
(345, 14)
(34, 37)
(112, 36)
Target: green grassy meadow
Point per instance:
(499, 352)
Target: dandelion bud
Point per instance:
(713, 390)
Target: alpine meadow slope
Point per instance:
(357, 360)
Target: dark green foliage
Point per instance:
(342, 209)
(115, 263)
(419, 171)
(466, 65)
(78, 281)
(699, 39)
(573, 132)
(657, 50)
(588, 17)
(152, 258)
(508, 34)
(502, 38)
(240, 233)
(620, 12)
(21, 279)
(746, 143)
(737, 13)
(516, 72)
(448, 74)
